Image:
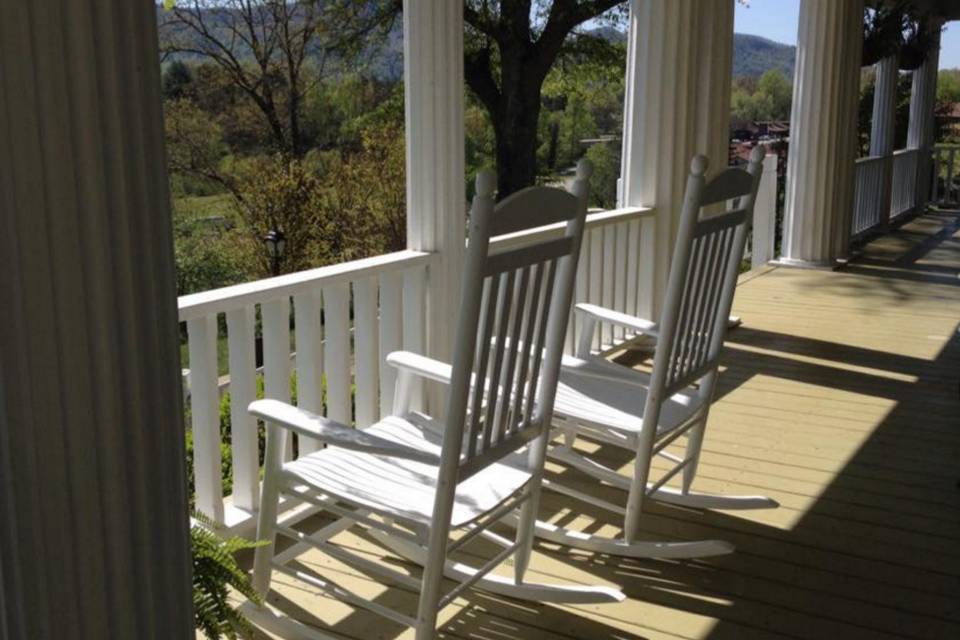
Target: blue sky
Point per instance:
(777, 20)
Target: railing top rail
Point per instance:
(903, 152)
(947, 145)
(205, 303)
(598, 218)
(870, 159)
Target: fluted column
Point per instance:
(923, 98)
(93, 507)
(883, 124)
(677, 104)
(436, 201)
(823, 125)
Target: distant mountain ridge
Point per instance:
(755, 55)
(752, 55)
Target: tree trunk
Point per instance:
(516, 129)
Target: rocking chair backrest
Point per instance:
(512, 320)
(703, 275)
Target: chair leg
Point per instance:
(528, 512)
(433, 567)
(692, 453)
(525, 527)
(429, 600)
(267, 519)
(638, 487)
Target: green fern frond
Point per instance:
(215, 570)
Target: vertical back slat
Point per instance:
(366, 349)
(243, 391)
(504, 305)
(700, 310)
(336, 334)
(391, 335)
(678, 348)
(306, 314)
(485, 331)
(529, 325)
(725, 239)
(518, 304)
(205, 416)
(541, 332)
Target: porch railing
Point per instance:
(346, 318)
(943, 189)
(868, 213)
(906, 193)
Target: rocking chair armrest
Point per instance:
(421, 366)
(602, 369)
(640, 325)
(311, 425)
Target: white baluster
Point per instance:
(391, 335)
(306, 311)
(243, 391)
(414, 329)
(595, 295)
(336, 314)
(276, 355)
(633, 266)
(581, 294)
(609, 275)
(621, 236)
(366, 349)
(205, 416)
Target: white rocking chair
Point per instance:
(426, 488)
(614, 404)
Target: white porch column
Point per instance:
(93, 507)
(677, 104)
(923, 98)
(436, 200)
(820, 162)
(883, 124)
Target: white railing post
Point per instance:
(436, 200)
(765, 215)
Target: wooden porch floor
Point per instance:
(840, 400)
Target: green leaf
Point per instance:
(169, 4)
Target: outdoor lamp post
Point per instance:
(276, 243)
